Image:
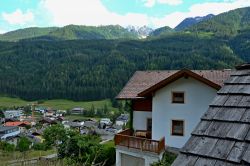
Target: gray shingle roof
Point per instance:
(223, 135)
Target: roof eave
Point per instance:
(174, 77)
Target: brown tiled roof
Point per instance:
(143, 80)
(17, 123)
(223, 135)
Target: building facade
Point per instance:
(166, 106)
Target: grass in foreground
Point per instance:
(10, 156)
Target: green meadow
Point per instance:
(62, 104)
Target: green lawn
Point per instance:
(110, 143)
(11, 102)
(68, 104)
(61, 104)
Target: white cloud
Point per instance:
(151, 3)
(83, 12)
(201, 9)
(92, 12)
(170, 2)
(18, 17)
(2, 31)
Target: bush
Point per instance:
(23, 144)
(40, 101)
(167, 159)
(5, 146)
(107, 154)
(40, 146)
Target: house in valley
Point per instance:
(166, 106)
(122, 120)
(77, 111)
(8, 132)
(23, 125)
(13, 114)
(222, 137)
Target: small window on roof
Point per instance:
(178, 97)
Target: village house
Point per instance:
(223, 135)
(49, 113)
(36, 136)
(47, 121)
(73, 125)
(77, 111)
(13, 114)
(8, 131)
(166, 106)
(40, 109)
(122, 120)
(21, 124)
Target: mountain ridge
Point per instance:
(96, 69)
(188, 22)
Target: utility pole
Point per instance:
(33, 112)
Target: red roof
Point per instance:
(144, 80)
(17, 123)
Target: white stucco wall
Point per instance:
(198, 96)
(140, 119)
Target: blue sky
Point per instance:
(15, 14)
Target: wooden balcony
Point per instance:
(126, 138)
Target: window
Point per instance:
(149, 124)
(178, 127)
(178, 97)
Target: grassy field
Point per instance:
(8, 156)
(61, 104)
(11, 102)
(68, 104)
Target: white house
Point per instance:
(8, 131)
(122, 120)
(10, 114)
(166, 106)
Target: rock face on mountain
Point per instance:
(142, 32)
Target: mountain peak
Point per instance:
(142, 32)
(187, 22)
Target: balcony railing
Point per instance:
(126, 138)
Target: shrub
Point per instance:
(167, 159)
(23, 144)
(107, 153)
(5, 146)
(40, 146)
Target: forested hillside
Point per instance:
(161, 31)
(226, 24)
(26, 33)
(70, 32)
(96, 69)
(188, 22)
